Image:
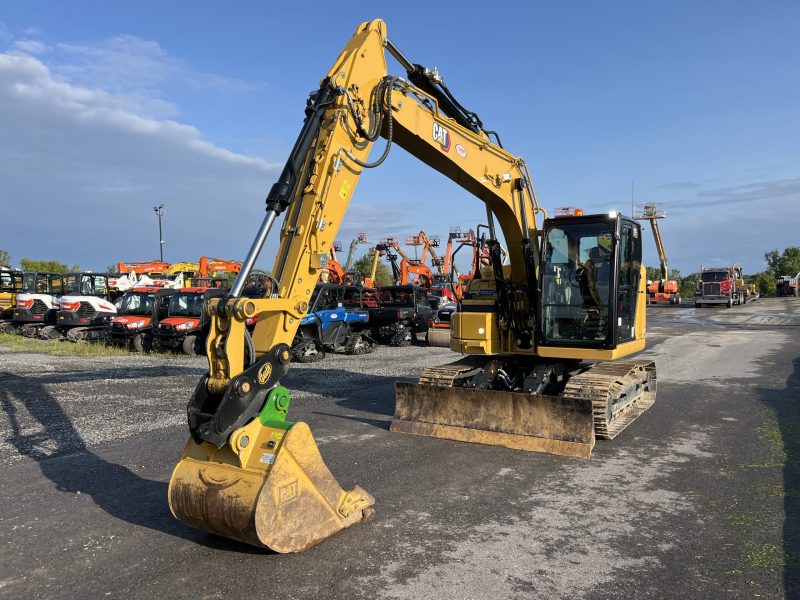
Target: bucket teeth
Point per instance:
(289, 505)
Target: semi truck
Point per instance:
(723, 285)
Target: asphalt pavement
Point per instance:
(699, 498)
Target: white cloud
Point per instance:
(80, 171)
(30, 46)
(127, 62)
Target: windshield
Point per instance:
(72, 284)
(137, 303)
(712, 276)
(85, 284)
(10, 281)
(28, 281)
(186, 304)
(576, 282)
(325, 298)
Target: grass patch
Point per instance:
(63, 348)
(59, 348)
(766, 556)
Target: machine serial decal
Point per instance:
(442, 136)
(267, 458)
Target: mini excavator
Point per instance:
(543, 337)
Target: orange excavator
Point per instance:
(209, 270)
(144, 267)
(131, 274)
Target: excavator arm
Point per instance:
(244, 460)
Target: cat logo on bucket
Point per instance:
(287, 492)
(442, 136)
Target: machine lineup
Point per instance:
(542, 329)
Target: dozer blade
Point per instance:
(284, 497)
(439, 337)
(536, 423)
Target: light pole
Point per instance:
(160, 212)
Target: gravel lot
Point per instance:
(700, 498)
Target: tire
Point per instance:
(358, 344)
(141, 343)
(698, 305)
(402, 337)
(191, 345)
(677, 298)
(6, 327)
(307, 351)
(730, 303)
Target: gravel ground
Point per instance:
(698, 498)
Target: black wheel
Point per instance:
(50, 333)
(677, 298)
(358, 344)
(29, 330)
(306, 350)
(402, 337)
(6, 327)
(730, 303)
(191, 345)
(698, 305)
(142, 342)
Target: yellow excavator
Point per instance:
(541, 336)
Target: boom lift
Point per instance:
(663, 290)
(361, 238)
(573, 292)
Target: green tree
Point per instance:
(654, 274)
(383, 275)
(44, 266)
(765, 282)
(5, 258)
(688, 285)
(785, 263)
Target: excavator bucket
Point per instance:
(537, 423)
(276, 493)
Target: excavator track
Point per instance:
(620, 391)
(443, 375)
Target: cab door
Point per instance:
(629, 274)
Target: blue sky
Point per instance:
(110, 108)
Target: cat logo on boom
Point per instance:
(442, 136)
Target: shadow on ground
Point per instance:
(66, 461)
(786, 404)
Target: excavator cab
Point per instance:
(590, 272)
